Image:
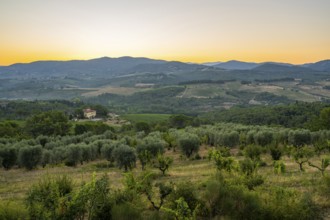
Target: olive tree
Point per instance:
(299, 138)
(125, 156)
(30, 156)
(149, 148)
(189, 144)
(263, 138)
(301, 155)
(73, 155)
(163, 163)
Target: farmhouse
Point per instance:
(89, 113)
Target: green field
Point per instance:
(149, 118)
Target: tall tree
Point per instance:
(50, 123)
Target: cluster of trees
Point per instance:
(313, 116)
(50, 123)
(21, 110)
(125, 150)
(233, 193)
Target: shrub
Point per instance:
(45, 198)
(253, 152)
(276, 153)
(279, 167)
(9, 157)
(12, 211)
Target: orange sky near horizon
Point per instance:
(295, 31)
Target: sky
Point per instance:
(294, 31)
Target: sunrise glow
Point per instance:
(294, 31)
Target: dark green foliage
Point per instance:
(276, 152)
(126, 211)
(248, 166)
(92, 201)
(252, 181)
(325, 118)
(299, 137)
(263, 138)
(73, 155)
(93, 127)
(48, 123)
(43, 140)
(187, 191)
(125, 157)
(222, 162)
(44, 200)
(180, 121)
(145, 158)
(10, 129)
(107, 151)
(296, 115)
(227, 139)
(154, 145)
(232, 201)
(282, 203)
(30, 156)
(46, 158)
(253, 152)
(142, 126)
(189, 144)
(9, 157)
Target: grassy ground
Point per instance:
(15, 183)
(149, 118)
(113, 90)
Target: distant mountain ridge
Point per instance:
(323, 65)
(100, 67)
(106, 67)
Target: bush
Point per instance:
(9, 157)
(44, 199)
(231, 201)
(253, 152)
(276, 153)
(12, 211)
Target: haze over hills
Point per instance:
(109, 67)
(75, 78)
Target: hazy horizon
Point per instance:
(220, 61)
(196, 31)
